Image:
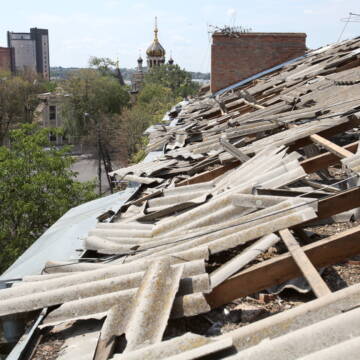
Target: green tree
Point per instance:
(151, 104)
(18, 100)
(173, 77)
(107, 67)
(163, 87)
(91, 96)
(36, 188)
(104, 65)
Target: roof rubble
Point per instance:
(221, 212)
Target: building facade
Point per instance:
(49, 114)
(5, 59)
(30, 51)
(41, 37)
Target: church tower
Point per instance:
(137, 78)
(155, 52)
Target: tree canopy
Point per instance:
(173, 77)
(103, 64)
(92, 95)
(164, 86)
(36, 188)
(18, 100)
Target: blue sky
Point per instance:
(120, 28)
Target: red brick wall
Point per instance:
(5, 59)
(236, 58)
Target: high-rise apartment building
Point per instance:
(41, 37)
(30, 51)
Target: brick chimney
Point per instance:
(237, 56)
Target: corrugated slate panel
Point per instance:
(307, 340)
(186, 347)
(152, 305)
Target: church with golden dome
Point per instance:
(155, 56)
(155, 52)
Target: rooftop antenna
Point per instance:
(350, 18)
(232, 13)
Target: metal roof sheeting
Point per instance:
(63, 239)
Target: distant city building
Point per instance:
(41, 37)
(49, 114)
(30, 51)
(155, 52)
(5, 59)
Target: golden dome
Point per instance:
(155, 49)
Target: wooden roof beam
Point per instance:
(282, 268)
(309, 271)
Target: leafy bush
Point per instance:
(36, 188)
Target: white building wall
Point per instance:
(25, 54)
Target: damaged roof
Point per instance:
(220, 214)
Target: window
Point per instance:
(52, 112)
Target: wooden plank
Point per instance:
(336, 204)
(256, 106)
(325, 160)
(328, 206)
(289, 193)
(282, 268)
(306, 267)
(352, 123)
(330, 146)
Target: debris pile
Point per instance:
(227, 212)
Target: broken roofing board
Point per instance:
(87, 284)
(188, 346)
(307, 340)
(152, 305)
(191, 123)
(256, 76)
(145, 321)
(251, 336)
(97, 306)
